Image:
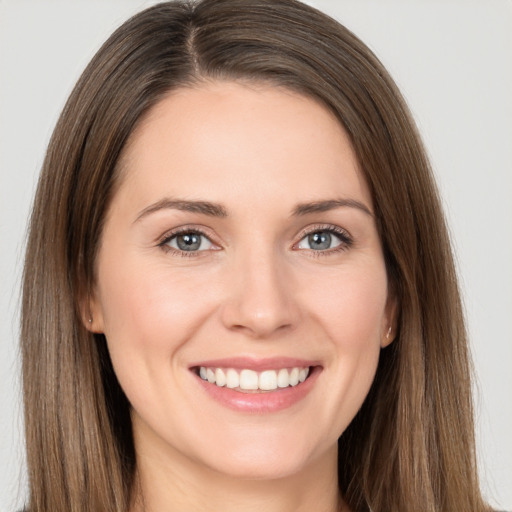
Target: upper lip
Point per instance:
(256, 364)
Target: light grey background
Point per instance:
(452, 60)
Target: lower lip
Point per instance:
(264, 402)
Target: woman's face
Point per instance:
(240, 254)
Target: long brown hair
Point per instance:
(411, 445)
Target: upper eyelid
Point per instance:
(168, 235)
(323, 227)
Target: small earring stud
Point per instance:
(90, 320)
(388, 333)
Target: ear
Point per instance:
(91, 313)
(390, 320)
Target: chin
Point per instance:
(268, 459)
(272, 468)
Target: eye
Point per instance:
(188, 241)
(324, 240)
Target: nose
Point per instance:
(260, 300)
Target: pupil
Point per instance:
(320, 240)
(188, 242)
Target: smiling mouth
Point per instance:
(250, 381)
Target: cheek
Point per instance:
(352, 308)
(139, 300)
(352, 314)
(148, 313)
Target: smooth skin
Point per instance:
(239, 167)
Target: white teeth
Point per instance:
(283, 378)
(267, 380)
(249, 380)
(303, 374)
(294, 377)
(232, 379)
(220, 377)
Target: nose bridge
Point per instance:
(259, 299)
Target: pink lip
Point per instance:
(259, 402)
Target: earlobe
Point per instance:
(388, 338)
(91, 313)
(390, 322)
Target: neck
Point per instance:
(175, 484)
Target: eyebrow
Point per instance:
(217, 210)
(330, 204)
(203, 207)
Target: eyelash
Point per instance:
(180, 231)
(344, 237)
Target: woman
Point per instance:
(237, 256)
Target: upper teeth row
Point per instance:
(251, 380)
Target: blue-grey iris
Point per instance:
(320, 240)
(188, 241)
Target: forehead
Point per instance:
(222, 137)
